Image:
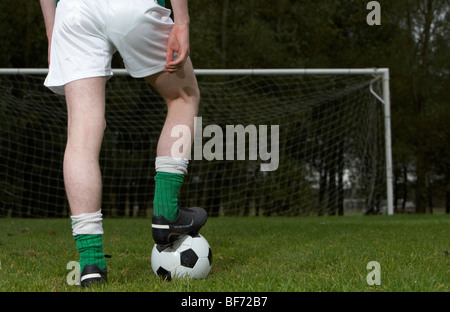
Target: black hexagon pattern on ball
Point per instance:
(188, 258)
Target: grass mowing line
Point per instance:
(249, 254)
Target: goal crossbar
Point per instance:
(377, 73)
(205, 72)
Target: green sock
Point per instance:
(90, 248)
(167, 187)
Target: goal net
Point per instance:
(326, 133)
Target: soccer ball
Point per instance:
(189, 256)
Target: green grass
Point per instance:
(249, 254)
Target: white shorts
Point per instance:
(87, 33)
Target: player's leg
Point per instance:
(80, 60)
(143, 47)
(86, 124)
(181, 93)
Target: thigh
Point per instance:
(86, 111)
(181, 84)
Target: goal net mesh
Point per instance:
(330, 141)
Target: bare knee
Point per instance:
(86, 134)
(188, 97)
(178, 88)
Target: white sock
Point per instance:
(87, 224)
(171, 165)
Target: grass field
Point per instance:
(310, 254)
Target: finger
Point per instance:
(169, 55)
(178, 63)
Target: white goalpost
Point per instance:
(335, 149)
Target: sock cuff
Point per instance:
(169, 177)
(87, 224)
(86, 241)
(171, 165)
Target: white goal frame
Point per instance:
(376, 73)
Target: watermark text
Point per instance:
(235, 142)
(374, 276)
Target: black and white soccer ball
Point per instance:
(190, 256)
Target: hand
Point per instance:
(178, 41)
